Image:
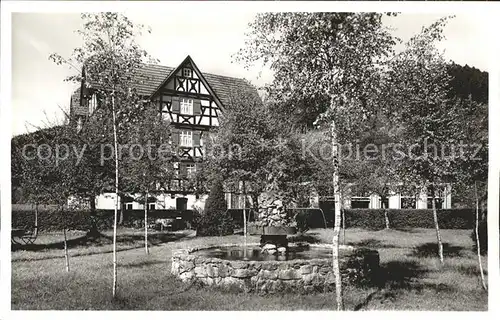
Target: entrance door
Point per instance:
(181, 204)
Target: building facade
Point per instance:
(192, 101)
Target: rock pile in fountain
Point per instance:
(272, 213)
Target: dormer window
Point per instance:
(187, 73)
(187, 106)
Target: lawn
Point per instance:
(411, 278)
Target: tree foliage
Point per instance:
(253, 146)
(215, 221)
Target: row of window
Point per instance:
(355, 204)
(180, 204)
(129, 206)
(405, 203)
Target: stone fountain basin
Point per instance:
(357, 266)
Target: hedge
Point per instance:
(423, 218)
(49, 220)
(373, 219)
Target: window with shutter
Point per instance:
(175, 138)
(186, 106)
(175, 104)
(165, 100)
(197, 107)
(196, 139)
(182, 170)
(186, 138)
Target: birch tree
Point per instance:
(330, 55)
(107, 63)
(418, 90)
(471, 169)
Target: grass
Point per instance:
(411, 275)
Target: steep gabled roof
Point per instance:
(150, 76)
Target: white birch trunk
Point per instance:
(386, 216)
(483, 281)
(66, 255)
(436, 225)
(146, 222)
(35, 232)
(244, 214)
(338, 217)
(116, 194)
(343, 218)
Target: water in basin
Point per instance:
(253, 253)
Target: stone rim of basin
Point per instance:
(344, 250)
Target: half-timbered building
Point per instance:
(192, 101)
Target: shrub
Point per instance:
(483, 237)
(197, 214)
(215, 221)
(216, 199)
(372, 219)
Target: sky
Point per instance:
(210, 38)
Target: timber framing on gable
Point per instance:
(189, 82)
